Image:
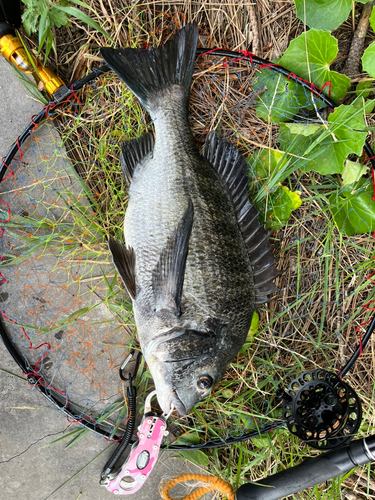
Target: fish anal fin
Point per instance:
(232, 170)
(124, 261)
(134, 153)
(168, 275)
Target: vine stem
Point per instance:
(356, 49)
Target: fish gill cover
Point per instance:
(64, 305)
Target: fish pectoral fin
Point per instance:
(134, 153)
(168, 275)
(124, 261)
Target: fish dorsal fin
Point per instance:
(124, 261)
(168, 275)
(231, 167)
(134, 153)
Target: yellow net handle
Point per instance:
(213, 483)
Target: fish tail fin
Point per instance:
(147, 72)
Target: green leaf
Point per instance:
(58, 18)
(353, 171)
(283, 206)
(267, 171)
(187, 439)
(254, 326)
(261, 442)
(195, 456)
(252, 332)
(30, 18)
(324, 148)
(49, 45)
(310, 55)
(31, 87)
(353, 210)
(362, 89)
(323, 14)
(347, 127)
(269, 165)
(372, 19)
(43, 27)
(72, 11)
(227, 393)
(77, 438)
(280, 99)
(276, 209)
(368, 60)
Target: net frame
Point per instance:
(33, 377)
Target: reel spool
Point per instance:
(321, 409)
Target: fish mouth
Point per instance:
(173, 402)
(179, 406)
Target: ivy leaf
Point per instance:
(368, 60)
(354, 210)
(347, 127)
(362, 89)
(324, 149)
(367, 105)
(324, 14)
(310, 55)
(275, 208)
(353, 171)
(275, 211)
(266, 165)
(281, 98)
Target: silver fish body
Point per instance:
(189, 268)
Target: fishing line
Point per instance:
(33, 376)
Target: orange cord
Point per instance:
(214, 483)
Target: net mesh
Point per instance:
(57, 275)
(67, 312)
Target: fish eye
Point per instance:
(204, 382)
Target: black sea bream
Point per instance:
(196, 261)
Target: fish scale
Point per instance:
(191, 234)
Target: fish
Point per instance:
(196, 262)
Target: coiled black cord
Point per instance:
(131, 394)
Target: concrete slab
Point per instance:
(42, 293)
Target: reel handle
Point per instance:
(311, 472)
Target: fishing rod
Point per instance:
(313, 470)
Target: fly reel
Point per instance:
(321, 409)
